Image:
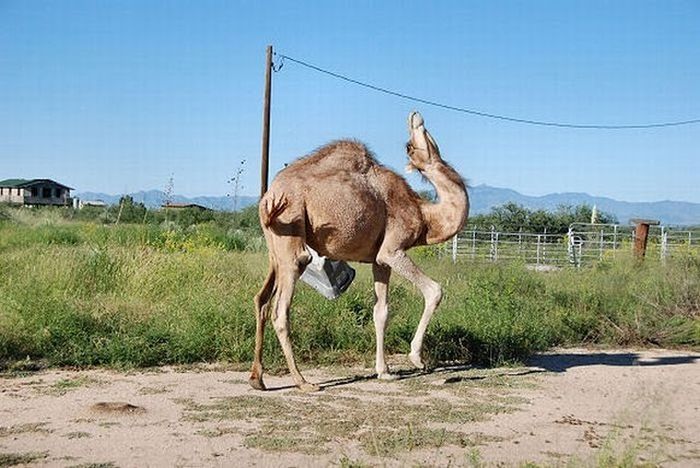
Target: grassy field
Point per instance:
(84, 294)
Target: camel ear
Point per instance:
(435, 151)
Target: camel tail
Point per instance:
(271, 206)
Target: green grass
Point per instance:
(84, 294)
(63, 386)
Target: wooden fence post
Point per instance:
(641, 235)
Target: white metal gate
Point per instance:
(583, 244)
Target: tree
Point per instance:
(188, 216)
(512, 217)
(128, 211)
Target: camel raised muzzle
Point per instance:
(421, 148)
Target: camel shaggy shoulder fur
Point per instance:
(345, 205)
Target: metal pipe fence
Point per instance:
(583, 244)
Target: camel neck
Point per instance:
(445, 218)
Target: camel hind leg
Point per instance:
(283, 300)
(288, 259)
(262, 300)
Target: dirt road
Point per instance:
(571, 406)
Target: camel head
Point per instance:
(421, 148)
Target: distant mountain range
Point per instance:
(482, 197)
(155, 198)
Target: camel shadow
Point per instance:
(401, 374)
(398, 375)
(561, 362)
(406, 374)
(554, 362)
(342, 381)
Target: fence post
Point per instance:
(538, 248)
(664, 244)
(615, 237)
(601, 245)
(571, 247)
(497, 234)
(641, 235)
(474, 243)
(520, 241)
(454, 249)
(494, 245)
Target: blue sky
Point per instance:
(117, 96)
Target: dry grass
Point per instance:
(13, 459)
(38, 428)
(380, 423)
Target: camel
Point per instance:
(344, 204)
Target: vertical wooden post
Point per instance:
(264, 166)
(641, 235)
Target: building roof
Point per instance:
(22, 183)
(183, 205)
(93, 203)
(13, 182)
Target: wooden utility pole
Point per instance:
(264, 166)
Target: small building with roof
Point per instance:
(91, 203)
(182, 206)
(35, 192)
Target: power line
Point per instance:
(476, 112)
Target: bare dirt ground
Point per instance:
(568, 407)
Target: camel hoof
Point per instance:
(417, 361)
(257, 384)
(307, 387)
(387, 376)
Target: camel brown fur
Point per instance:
(345, 205)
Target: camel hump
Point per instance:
(271, 206)
(340, 156)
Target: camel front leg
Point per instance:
(381, 274)
(285, 291)
(400, 262)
